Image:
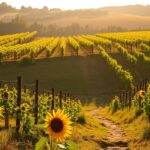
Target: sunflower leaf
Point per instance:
(71, 145)
(41, 144)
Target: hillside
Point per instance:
(88, 66)
(72, 22)
(88, 78)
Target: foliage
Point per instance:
(124, 76)
(84, 42)
(145, 47)
(132, 59)
(115, 104)
(26, 60)
(99, 41)
(70, 145)
(51, 46)
(70, 106)
(82, 118)
(146, 132)
(74, 43)
(141, 57)
(41, 144)
(63, 44)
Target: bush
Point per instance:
(26, 60)
(138, 112)
(81, 118)
(115, 104)
(146, 133)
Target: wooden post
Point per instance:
(126, 99)
(123, 101)
(122, 105)
(25, 89)
(36, 101)
(120, 98)
(130, 97)
(5, 98)
(140, 85)
(53, 96)
(137, 88)
(134, 91)
(65, 97)
(60, 99)
(18, 104)
(145, 86)
(0, 84)
(70, 100)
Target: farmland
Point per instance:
(77, 74)
(94, 61)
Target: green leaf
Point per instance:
(41, 144)
(71, 145)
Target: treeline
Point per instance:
(21, 24)
(6, 8)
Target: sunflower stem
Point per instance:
(51, 143)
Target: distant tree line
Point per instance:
(21, 24)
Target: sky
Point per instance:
(73, 4)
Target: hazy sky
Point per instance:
(73, 4)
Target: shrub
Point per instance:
(81, 118)
(115, 104)
(138, 112)
(146, 133)
(26, 60)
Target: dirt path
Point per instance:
(116, 139)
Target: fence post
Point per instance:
(130, 97)
(5, 98)
(120, 98)
(60, 99)
(134, 91)
(126, 99)
(36, 101)
(25, 89)
(137, 88)
(0, 84)
(140, 85)
(145, 84)
(70, 100)
(123, 100)
(18, 104)
(53, 96)
(65, 97)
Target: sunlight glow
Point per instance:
(73, 4)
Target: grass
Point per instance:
(5, 137)
(89, 135)
(135, 126)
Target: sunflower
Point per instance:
(58, 125)
(141, 94)
(24, 107)
(1, 111)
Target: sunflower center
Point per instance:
(23, 108)
(57, 125)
